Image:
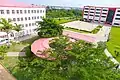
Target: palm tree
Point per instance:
(6, 26)
(17, 28)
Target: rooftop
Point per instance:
(12, 3)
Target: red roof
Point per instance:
(9, 3)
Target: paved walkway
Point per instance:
(16, 54)
(4, 74)
(108, 54)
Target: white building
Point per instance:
(103, 15)
(23, 14)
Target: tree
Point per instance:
(83, 62)
(6, 25)
(49, 28)
(17, 28)
(3, 50)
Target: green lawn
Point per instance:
(114, 42)
(83, 31)
(10, 62)
(63, 20)
(17, 47)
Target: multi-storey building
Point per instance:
(23, 14)
(103, 15)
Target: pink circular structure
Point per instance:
(39, 46)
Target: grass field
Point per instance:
(114, 43)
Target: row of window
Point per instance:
(28, 25)
(27, 18)
(116, 24)
(117, 14)
(117, 18)
(21, 11)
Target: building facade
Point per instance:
(24, 14)
(103, 15)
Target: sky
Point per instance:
(74, 3)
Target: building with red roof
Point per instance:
(21, 13)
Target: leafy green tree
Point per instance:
(82, 61)
(3, 50)
(17, 28)
(49, 28)
(6, 25)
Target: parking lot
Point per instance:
(81, 25)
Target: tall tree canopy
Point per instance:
(49, 28)
(74, 61)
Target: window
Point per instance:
(86, 11)
(37, 11)
(116, 24)
(26, 25)
(28, 18)
(21, 11)
(92, 9)
(17, 11)
(91, 15)
(98, 9)
(34, 11)
(85, 14)
(97, 16)
(117, 18)
(40, 11)
(13, 11)
(104, 13)
(25, 18)
(14, 19)
(104, 10)
(21, 19)
(28, 11)
(35, 17)
(29, 24)
(2, 11)
(118, 11)
(32, 24)
(43, 11)
(18, 19)
(102, 21)
(86, 8)
(97, 12)
(8, 12)
(38, 17)
(32, 17)
(103, 16)
(96, 20)
(25, 11)
(91, 12)
(117, 14)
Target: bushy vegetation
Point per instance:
(49, 28)
(58, 13)
(74, 61)
(3, 50)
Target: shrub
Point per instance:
(28, 51)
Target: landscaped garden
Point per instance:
(73, 60)
(96, 30)
(113, 44)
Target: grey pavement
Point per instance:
(16, 54)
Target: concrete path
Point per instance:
(4, 74)
(16, 54)
(108, 54)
